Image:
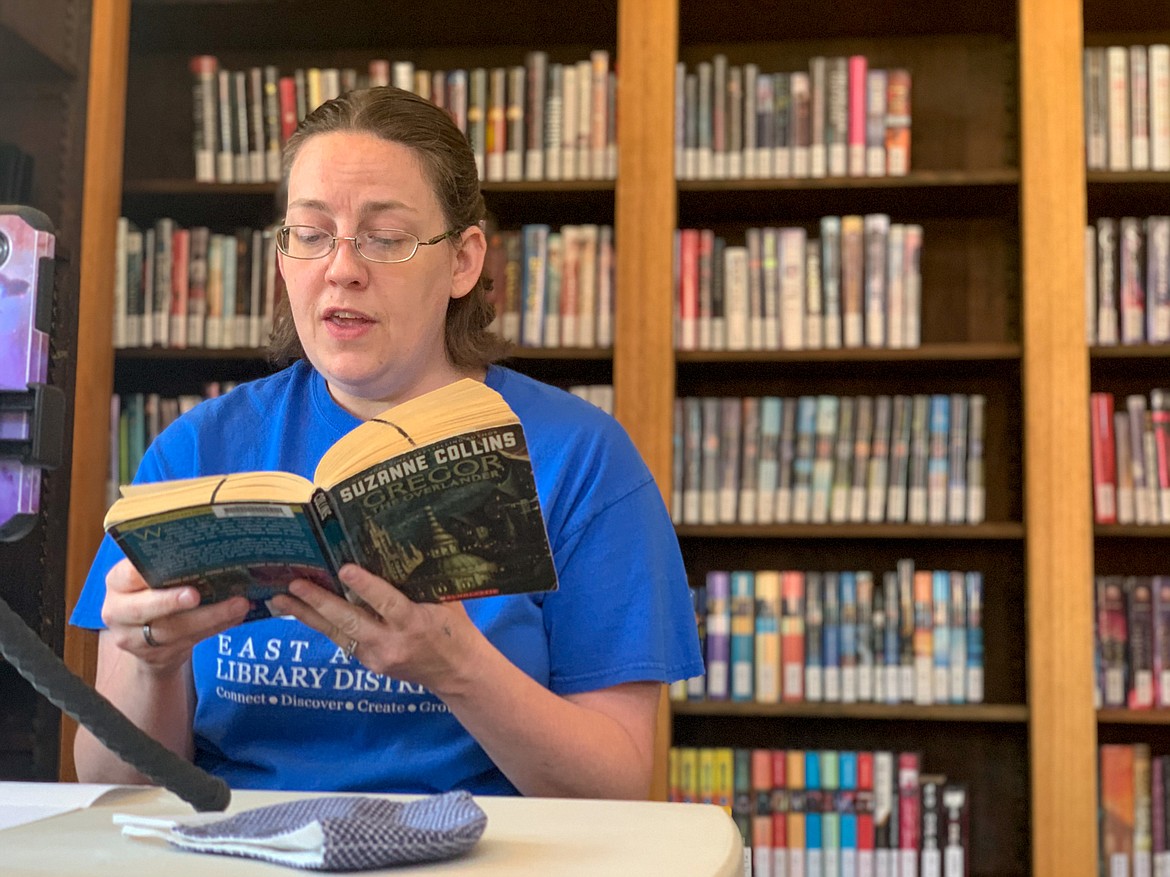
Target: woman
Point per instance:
(549, 694)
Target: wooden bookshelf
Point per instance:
(999, 186)
(1119, 549)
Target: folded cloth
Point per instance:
(339, 833)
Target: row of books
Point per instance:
(1127, 107)
(1134, 808)
(839, 118)
(858, 285)
(192, 287)
(831, 813)
(829, 459)
(1127, 281)
(1131, 458)
(903, 636)
(553, 288)
(1132, 644)
(136, 419)
(536, 121)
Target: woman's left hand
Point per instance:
(427, 644)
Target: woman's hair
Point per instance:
(402, 117)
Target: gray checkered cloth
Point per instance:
(343, 833)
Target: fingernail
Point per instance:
(188, 598)
(348, 573)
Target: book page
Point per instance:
(457, 408)
(140, 500)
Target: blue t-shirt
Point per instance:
(280, 706)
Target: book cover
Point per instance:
(436, 496)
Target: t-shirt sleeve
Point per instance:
(154, 467)
(623, 611)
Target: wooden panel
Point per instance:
(644, 222)
(100, 200)
(1056, 449)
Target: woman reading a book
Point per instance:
(551, 694)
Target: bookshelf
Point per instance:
(1128, 549)
(995, 181)
(44, 65)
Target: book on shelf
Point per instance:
(837, 636)
(827, 811)
(837, 117)
(444, 475)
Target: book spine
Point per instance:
(956, 828)
(1140, 645)
(769, 611)
(792, 644)
(814, 625)
(858, 84)
(898, 122)
(974, 681)
(718, 635)
(909, 814)
(743, 629)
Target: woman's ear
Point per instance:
(469, 256)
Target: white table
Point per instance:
(543, 836)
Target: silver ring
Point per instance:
(351, 648)
(149, 636)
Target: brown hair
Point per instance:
(402, 117)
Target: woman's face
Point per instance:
(375, 331)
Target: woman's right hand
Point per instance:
(160, 626)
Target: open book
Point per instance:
(436, 495)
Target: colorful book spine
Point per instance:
(718, 635)
(814, 838)
(743, 624)
(769, 609)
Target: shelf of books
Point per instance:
(1127, 309)
(847, 437)
(196, 283)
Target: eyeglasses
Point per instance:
(375, 245)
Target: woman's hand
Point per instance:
(159, 626)
(427, 644)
